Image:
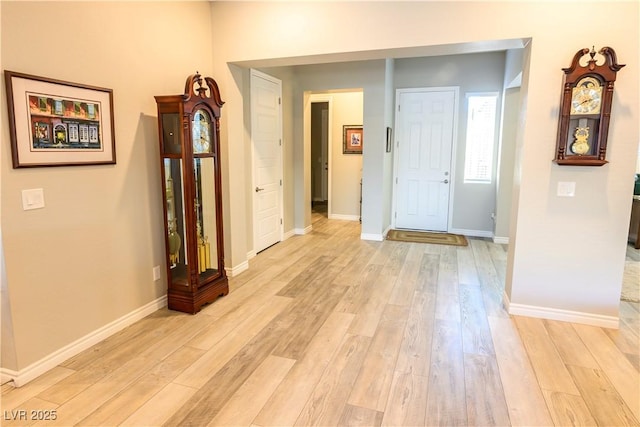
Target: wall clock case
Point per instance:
(585, 108)
(189, 136)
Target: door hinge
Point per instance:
(280, 142)
(280, 221)
(396, 180)
(279, 101)
(395, 214)
(398, 107)
(280, 183)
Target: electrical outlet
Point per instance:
(156, 273)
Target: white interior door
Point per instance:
(425, 120)
(266, 137)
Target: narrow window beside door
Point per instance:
(481, 126)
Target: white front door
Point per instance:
(424, 131)
(266, 137)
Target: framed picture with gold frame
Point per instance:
(352, 139)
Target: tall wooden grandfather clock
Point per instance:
(189, 133)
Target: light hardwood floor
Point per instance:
(326, 329)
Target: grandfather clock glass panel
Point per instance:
(189, 151)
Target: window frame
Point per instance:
(493, 143)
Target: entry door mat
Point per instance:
(427, 237)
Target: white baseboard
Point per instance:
(501, 240)
(371, 236)
(252, 253)
(344, 217)
(305, 230)
(563, 315)
(38, 368)
(471, 233)
(234, 271)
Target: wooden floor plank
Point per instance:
(486, 405)
(369, 333)
(130, 399)
(446, 399)
(604, 402)
(288, 400)
(415, 350)
(246, 403)
(569, 345)
(200, 372)
(467, 272)
(407, 401)
(371, 307)
(549, 367)
(624, 377)
(14, 397)
(161, 407)
(354, 416)
(407, 279)
(476, 335)
(327, 402)
(447, 292)
(489, 278)
(371, 388)
(568, 409)
(522, 392)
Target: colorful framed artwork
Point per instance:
(352, 139)
(58, 123)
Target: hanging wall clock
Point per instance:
(585, 109)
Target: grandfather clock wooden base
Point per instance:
(192, 302)
(189, 135)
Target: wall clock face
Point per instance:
(586, 96)
(201, 132)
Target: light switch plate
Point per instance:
(32, 199)
(156, 273)
(566, 189)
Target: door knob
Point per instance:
(446, 181)
(259, 189)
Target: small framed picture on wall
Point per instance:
(352, 139)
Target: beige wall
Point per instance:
(506, 162)
(86, 259)
(346, 169)
(567, 255)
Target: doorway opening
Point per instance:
(320, 157)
